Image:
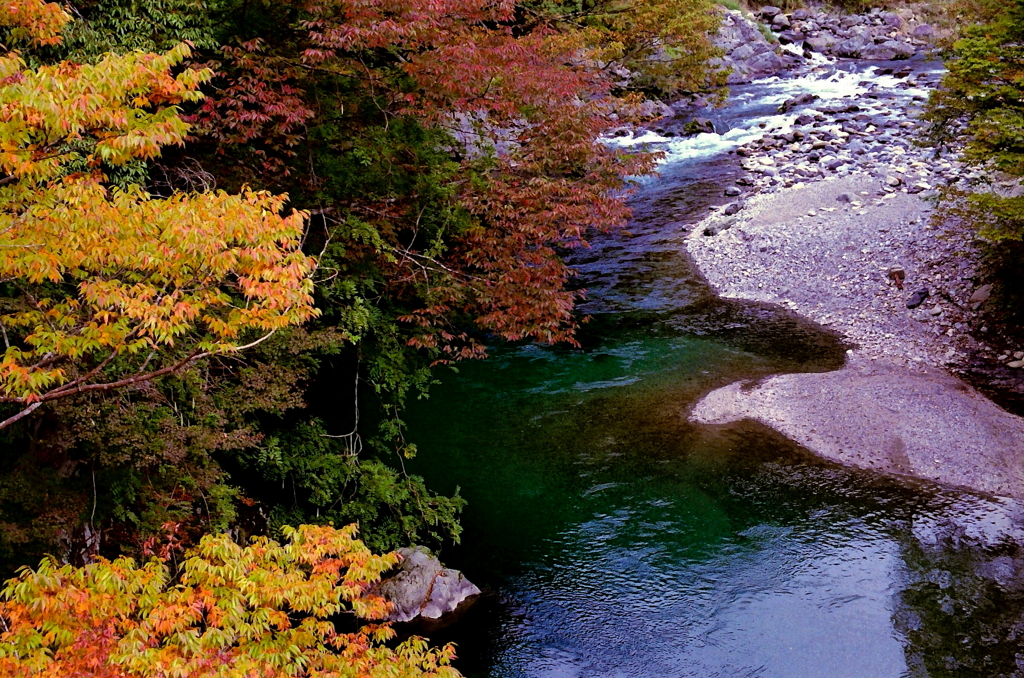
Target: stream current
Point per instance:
(613, 538)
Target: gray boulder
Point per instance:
(853, 47)
(423, 587)
(888, 51)
(923, 31)
(892, 20)
(823, 42)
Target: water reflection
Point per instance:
(616, 539)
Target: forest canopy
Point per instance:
(240, 236)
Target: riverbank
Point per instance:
(853, 253)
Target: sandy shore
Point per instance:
(826, 250)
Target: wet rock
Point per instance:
(790, 37)
(732, 208)
(699, 126)
(732, 191)
(917, 298)
(423, 587)
(801, 100)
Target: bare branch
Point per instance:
(20, 415)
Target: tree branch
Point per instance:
(20, 415)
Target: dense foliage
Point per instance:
(981, 106)
(439, 159)
(262, 610)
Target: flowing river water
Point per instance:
(614, 538)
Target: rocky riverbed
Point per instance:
(834, 220)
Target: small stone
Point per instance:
(710, 231)
(917, 298)
(732, 191)
(982, 293)
(936, 311)
(1019, 355)
(846, 197)
(1016, 364)
(812, 213)
(732, 208)
(893, 181)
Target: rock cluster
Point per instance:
(748, 53)
(753, 50)
(878, 35)
(876, 128)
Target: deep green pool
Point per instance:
(614, 538)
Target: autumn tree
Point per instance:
(261, 610)
(106, 287)
(448, 155)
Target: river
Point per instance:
(613, 538)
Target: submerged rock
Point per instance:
(423, 587)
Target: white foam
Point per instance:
(822, 82)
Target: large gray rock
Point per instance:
(887, 418)
(852, 47)
(823, 42)
(923, 31)
(888, 51)
(423, 587)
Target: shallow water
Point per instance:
(614, 538)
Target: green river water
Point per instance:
(613, 538)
